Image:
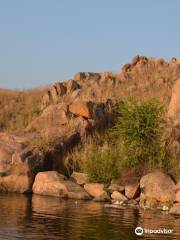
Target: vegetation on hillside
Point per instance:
(139, 132)
(18, 108)
(153, 79)
(136, 138)
(140, 135)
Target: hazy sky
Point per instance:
(42, 41)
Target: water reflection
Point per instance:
(39, 217)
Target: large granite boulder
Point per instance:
(50, 120)
(84, 109)
(15, 183)
(157, 189)
(19, 163)
(51, 183)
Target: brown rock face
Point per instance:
(177, 187)
(135, 60)
(5, 160)
(174, 106)
(177, 191)
(126, 68)
(15, 183)
(177, 198)
(132, 191)
(117, 196)
(81, 76)
(18, 163)
(175, 210)
(20, 174)
(84, 109)
(54, 184)
(51, 119)
(72, 86)
(115, 187)
(157, 188)
(79, 178)
(96, 190)
(46, 99)
(58, 89)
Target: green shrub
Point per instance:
(100, 163)
(101, 166)
(139, 133)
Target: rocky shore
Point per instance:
(156, 190)
(32, 160)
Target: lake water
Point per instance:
(38, 217)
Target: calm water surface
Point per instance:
(38, 217)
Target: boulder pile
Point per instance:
(156, 190)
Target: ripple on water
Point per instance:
(38, 217)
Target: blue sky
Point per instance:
(42, 41)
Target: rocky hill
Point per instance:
(40, 127)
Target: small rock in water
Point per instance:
(96, 190)
(118, 196)
(165, 208)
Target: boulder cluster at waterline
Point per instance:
(155, 190)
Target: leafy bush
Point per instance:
(101, 166)
(139, 133)
(98, 161)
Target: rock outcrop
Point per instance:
(84, 109)
(18, 163)
(73, 110)
(157, 189)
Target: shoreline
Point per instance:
(115, 195)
